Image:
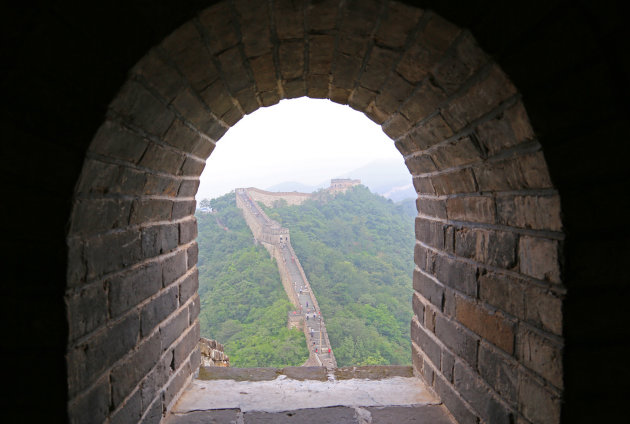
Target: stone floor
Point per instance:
(362, 395)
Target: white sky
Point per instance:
(303, 140)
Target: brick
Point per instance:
(455, 182)
(503, 292)
(88, 360)
(192, 255)
(466, 242)
(345, 70)
(289, 19)
(126, 376)
(264, 72)
(130, 412)
(462, 343)
(540, 354)
(193, 109)
(422, 338)
(471, 387)
(189, 286)
(187, 231)
(173, 267)
(393, 93)
(159, 75)
(186, 346)
(87, 310)
(179, 39)
(232, 67)
(544, 309)
(322, 15)
(129, 289)
(418, 306)
(139, 107)
(471, 209)
(173, 328)
(91, 216)
(536, 403)
(454, 403)
(321, 51)
(219, 21)
(420, 256)
(455, 153)
(423, 185)
(93, 406)
(116, 142)
(479, 99)
(154, 414)
(176, 384)
(428, 288)
(500, 372)
(534, 212)
(508, 129)
(429, 319)
(188, 188)
(430, 132)
(192, 167)
(184, 138)
(159, 239)
(75, 271)
(291, 59)
(196, 64)
(396, 126)
(419, 165)
(457, 275)
(539, 258)
(527, 171)
(459, 64)
(184, 209)
(424, 101)
(256, 35)
(151, 385)
(144, 211)
(111, 252)
(492, 326)
(378, 67)
(296, 88)
(247, 99)
(159, 185)
(431, 207)
(218, 98)
(497, 248)
(194, 308)
(447, 365)
(158, 309)
(397, 24)
(100, 178)
(162, 159)
(430, 232)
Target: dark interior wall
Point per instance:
(63, 62)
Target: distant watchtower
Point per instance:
(339, 185)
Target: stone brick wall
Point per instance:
(211, 353)
(268, 198)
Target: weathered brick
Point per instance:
(160, 185)
(189, 286)
(196, 64)
(154, 413)
(264, 72)
(158, 309)
(466, 242)
(126, 376)
(479, 99)
(184, 138)
(500, 372)
(455, 153)
(361, 98)
(428, 288)
(194, 308)
(430, 232)
(187, 231)
(378, 67)
(455, 274)
(159, 75)
(471, 387)
(431, 207)
(430, 348)
(173, 328)
(291, 59)
(218, 98)
(93, 406)
(101, 178)
(458, 65)
(508, 129)
(535, 212)
(420, 256)
(419, 165)
(91, 216)
(393, 93)
(544, 309)
(256, 35)
(162, 159)
(129, 289)
(184, 209)
(192, 167)
(503, 292)
(139, 107)
(423, 102)
(429, 133)
(296, 88)
(154, 381)
(396, 126)
(423, 185)
(397, 24)
(527, 171)
(144, 211)
(87, 310)
(159, 239)
(289, 19)
(188, 188)
(192, 254)
(417, 306)
(219, 21)
(176, 384)
(193, 109)
(186, 346)
(429, 318)
(322, 15)
(447, 365)
(539, 258)
(537, 403)
(540, 354)
(130, 412)
(454, 403)
(114, 141)
(111, 252)
(492, 326)
(461, 181)
(460, 341)
(497, 248)
(471, 209)
(173, 267)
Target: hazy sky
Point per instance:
(303, 140)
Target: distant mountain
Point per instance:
(387, 177)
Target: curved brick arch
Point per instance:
(487, 327)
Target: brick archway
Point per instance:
(487, 333)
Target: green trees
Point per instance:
(357, 251)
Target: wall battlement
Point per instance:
(269, 198)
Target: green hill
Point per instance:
(357, 251)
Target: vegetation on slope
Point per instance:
(243, 304)
(357, 251)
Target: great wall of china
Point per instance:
(276, 239)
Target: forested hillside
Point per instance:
(357, 251)
(243, 304)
